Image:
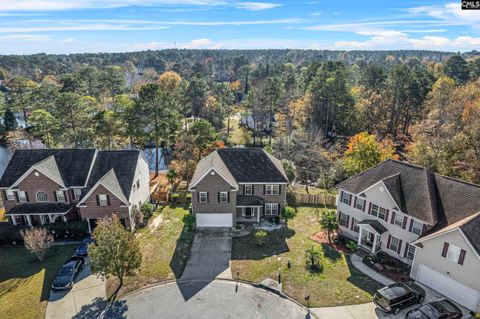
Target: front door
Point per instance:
(248, 212)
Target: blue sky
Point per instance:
(72, 26)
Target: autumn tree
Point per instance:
(457, 68)
(37, 240)
(203, 134)
(44, 125)
(364, 151)
(329, 223)
(116, 251)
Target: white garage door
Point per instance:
(448, 287)
(214, 220)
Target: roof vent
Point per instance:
(382, 189)
(212, 173)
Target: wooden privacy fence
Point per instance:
(314, 199)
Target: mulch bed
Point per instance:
(399, 273)
(321, 238)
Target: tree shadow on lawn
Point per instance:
(18, 265)
(331, 253)
(100, 308)
(182, 252)
(245, 247)
(360, 280)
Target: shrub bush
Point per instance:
(174, 198)
(352, 246)
(260, 237)
(312, 259)
(71, 229)
(147, 210)
(189, 221)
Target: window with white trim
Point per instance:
(271, 209)
(22, 197)
(10, 195)
(203, 197)
(343, 219)
(42, 197)
(60, 196)
(411, 252)
(248, 189)
(272, 189)
(374, 210)
(453, 253)
(398, 219)
(394, 242)
(382, 213)
(345, 198)
(417, 227)
(223, 197)
(360, 203)
(102, 200)
(355, 227)
(77, 193)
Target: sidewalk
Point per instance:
(358, 263)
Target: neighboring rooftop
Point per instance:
(420, 193)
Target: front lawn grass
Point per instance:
(25, 281)
(165, 251)
(338, 284)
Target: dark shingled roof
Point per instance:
(375, 224)
(73, 164)
(123, 163)
(251, 165)
(433, 198)
(471, 230)
(39, 208)
(249, 201)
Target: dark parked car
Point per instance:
(397, 296)
(440, 309)
(67, 274)
(83, 249)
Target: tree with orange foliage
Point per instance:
(365, 151)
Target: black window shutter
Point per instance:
(98, 200)
(253, 190)
(55, 196)
(348, 219)
(26, 196)
(279, 189)
(65, 195)
(207, 197)
(244, 190)
(198, 197)
(445, 249)
(353, 222)
(16, 196)
(370, 208)
(406, 249)
(386, 215)
(264, 189)
(399, 247)
(411, 225)
(218, 197)
(355, 202)
(461, 259)
(228, 197)
(364, 204)
(388, 241)
(108, 200)
(393, 217)
(350, 199)
(404, 225)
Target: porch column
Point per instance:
(360, 233)
(64, 218)
(257, 209)
(374, 248)
(42, 220)
(29, 220)
(14, 222)
(50, 218)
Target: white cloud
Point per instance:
(78, 27)
(198, 44)
(26, 37)
(450, 12)
(256, 6)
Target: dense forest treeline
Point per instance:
(327, 114)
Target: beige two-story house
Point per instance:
(233, 185)
(424, 219)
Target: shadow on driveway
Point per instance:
(99, 308)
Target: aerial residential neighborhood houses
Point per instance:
(427, 220)
(44, 186)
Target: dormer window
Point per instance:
(102, 200)
(42, 197)
(77, 193)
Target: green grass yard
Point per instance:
(25, 281)
(165, 251)
(338, 284)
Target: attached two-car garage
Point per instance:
(214, 220)
(448, 287)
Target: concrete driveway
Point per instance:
(66, 304)
(210, 255)
(219, 299)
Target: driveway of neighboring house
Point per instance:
(219, 299)
(210, 255)
(66, 304)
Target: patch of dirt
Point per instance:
(321, 238)
(155, 222)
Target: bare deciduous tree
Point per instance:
(37, 241)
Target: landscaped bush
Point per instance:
(312, 256)
(175, 198)
(147, 211)
(352, 246)
(189, 221)
(188, 198)
(70, 229)
(260, 237)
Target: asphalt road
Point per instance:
(216, 299)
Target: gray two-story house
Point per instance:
(233, 185)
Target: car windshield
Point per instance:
(393, 292)
(66, 271)
(429, 312)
